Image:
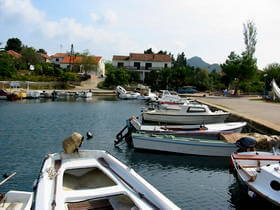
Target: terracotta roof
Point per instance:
(14, 54)
(120, 57)
(44, 55)
(144, 57)
(59, 55)
(78, 59)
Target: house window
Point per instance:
(165, 65)
(57, 59)
(148, 65)
(120, 64)
(137, 65)
(196, 109)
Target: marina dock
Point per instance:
(261, 115)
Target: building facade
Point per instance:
(142, 63)
(65, 61)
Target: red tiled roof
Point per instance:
(144, 57)
(120, 57)
(59, 55)
(78, 59)
(44, 55)
(14, 54)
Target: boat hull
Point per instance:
(264, 174)
(184, 119)
(191, 146)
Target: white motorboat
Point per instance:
(123, 94)
(260, 173)
(92, 179)
(191, 146)
(188, 114)
(33, 93)
(195, 131)
(171, 99)
(146, 94)
(16, 200)
(85, 94)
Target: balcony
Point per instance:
(142, 68)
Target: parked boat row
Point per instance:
(144, 94)
(17, 94)
(200, 131)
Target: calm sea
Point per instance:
(30, 129)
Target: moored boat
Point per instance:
(259, 172)
(194, 131)
(88, 179)
(187, 114)
(184, 145)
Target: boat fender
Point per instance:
(89, 135)
(252, 194)
(72, 143)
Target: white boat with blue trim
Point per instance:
(191, 146)
(186, 115)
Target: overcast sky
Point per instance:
(208, 29)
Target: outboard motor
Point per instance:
(246, 144)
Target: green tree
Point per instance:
(88, 63)
(14, 44)
(242, 68)
(30, 55)
(271, 71)
(181, 60)
(7, 65)
(148, 51)
(42, 51)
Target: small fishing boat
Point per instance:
(90, 179)
(259, 173)
(195, 131)
(184, 145)
(186, 115)
(123, 94)
(20, 200)
(170, 99)
(85, 94)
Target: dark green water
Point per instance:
(30, 129)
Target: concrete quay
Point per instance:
(263, 116)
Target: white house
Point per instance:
(64, 60)
(142, 63)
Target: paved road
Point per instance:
(260, 111)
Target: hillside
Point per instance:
(199, 63)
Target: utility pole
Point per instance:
(71, 60)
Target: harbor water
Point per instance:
(30, 129)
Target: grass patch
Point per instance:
(265, 100)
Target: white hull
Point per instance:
(191, 146)
(17, 200)
(83, 178)
(259, 174)
(185, 119)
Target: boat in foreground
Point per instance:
(90, 179)
(188, 114)
(184, 145)
(260, 173)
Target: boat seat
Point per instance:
(256, 157)
(85, 205)
(112, 202)
(93, 179)
(249, 172)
